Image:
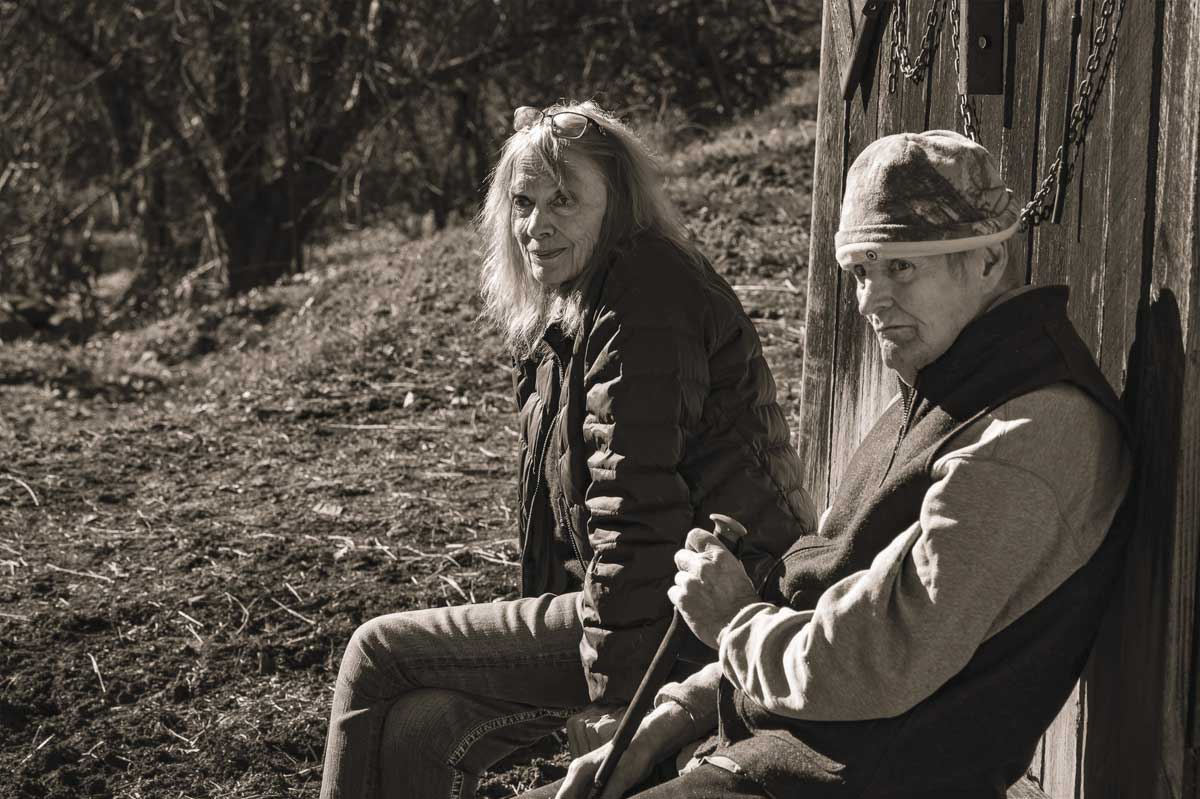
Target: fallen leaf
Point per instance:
(328, 509)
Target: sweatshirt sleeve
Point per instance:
(697, 695)
(644, 391)
(1011, 514)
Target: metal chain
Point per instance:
(902, 61)
(966, 106)
(1041, 205)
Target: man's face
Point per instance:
(918, 306)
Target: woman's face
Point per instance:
(557, 225)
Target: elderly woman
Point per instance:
(645, 405)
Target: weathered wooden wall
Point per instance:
(1128, 246)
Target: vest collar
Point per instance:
(1006, 326)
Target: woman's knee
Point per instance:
(374, 658)
(417, 747)
(421, 723)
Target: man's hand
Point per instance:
(710, 587)
(592, 727)
(664, 730)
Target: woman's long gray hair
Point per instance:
(512, 300)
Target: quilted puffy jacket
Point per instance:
(659, 413)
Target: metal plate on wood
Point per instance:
(981, 46)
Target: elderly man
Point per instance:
(922, 640)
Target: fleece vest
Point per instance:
(977, 733)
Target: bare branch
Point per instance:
(161, 115)
(123, 179)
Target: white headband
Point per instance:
(872, 250)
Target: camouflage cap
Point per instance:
(928, 193)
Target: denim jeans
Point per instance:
(426, 700)
(702, 782)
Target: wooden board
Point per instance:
(1173, 368)
(826, 305)
(1049, 246)
(860, 385)
(1025, 789)
(813, 439)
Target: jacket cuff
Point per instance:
(674, 692)
(742, 617)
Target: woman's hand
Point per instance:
(710, 587)
(632, 769)
(592, 727)
(664, 730)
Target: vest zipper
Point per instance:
(908, 397)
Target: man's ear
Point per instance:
(995, 264)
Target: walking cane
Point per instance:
(729, 531)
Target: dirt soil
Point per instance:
(195, 516)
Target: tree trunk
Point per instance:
(259, 240)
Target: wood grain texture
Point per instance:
(842, 15)
(1122, 740)
(1051, 242)
(832, 327)
(860, 384)
(820, 313)
(943, 105)
(1061, 748)
(1174, 290)
(1025, 789)
(1127, 111)
(1077, 252)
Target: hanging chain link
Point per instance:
(966, 106)
(1041, 205)
(902, 61)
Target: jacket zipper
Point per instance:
(540, 465)
(571, 532)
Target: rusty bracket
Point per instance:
(875, 14)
